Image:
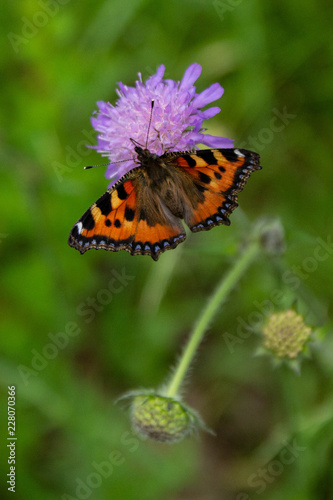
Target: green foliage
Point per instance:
(273, 59)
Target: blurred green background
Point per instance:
(58, 58)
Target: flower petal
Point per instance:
(209, 95)
(215, 142)
(157, 78)
(210, 112)
(190, 76)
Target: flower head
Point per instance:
(162, 418)
(176, 123)
(285, 337)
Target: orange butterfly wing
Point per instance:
(219, 174)
(117, 222)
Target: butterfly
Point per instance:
(142, 212)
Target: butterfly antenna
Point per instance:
(150, 119)
(106, 164)
(93, 166)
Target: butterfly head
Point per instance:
(143, 153)
(138, 148)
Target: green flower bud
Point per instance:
(162, 418)
(286, 334)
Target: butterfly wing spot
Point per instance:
(204, 178)
(104, 203)
(87, 222)
(129, 214)
(79, 227)
(239, 153)
(186, 161)
(121, 192)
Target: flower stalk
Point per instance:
(223, 289)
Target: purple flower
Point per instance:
(176, 119)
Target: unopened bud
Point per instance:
(286, 334)
(162, 418)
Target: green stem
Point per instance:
(222, 290)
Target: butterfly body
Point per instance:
(142, 212)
